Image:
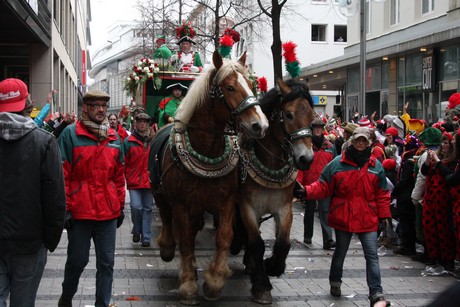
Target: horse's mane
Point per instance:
(198, 93)
(272, 99)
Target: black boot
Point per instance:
(64, 302)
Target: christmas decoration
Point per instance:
(226, 43)
(292, 64)
(262, 85)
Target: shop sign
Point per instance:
(428, 74)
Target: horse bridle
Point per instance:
(216, 92)
(300, 133)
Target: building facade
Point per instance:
(43, 43)
(320, 33)
(412, 55)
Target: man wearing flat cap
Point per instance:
(32, 197)
(168, 106)
(92, 157)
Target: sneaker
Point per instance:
(136, 238)
(307, 241)
(335, 291)
(145, 244)
(405, 251)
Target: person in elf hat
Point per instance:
(162, 52)
(168, 106)
(430, 139)
(32, 198)
(186, 60)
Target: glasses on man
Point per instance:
(96, 106)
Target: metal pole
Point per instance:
(362, 64)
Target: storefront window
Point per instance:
(410, 70)
(449, 63)
(385, 74)
(353, 80)
(373, 77)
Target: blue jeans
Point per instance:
(103, 234)
(20, 277)
(369, 244)
(141, 212)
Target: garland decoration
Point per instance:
(145, 69)
(290, 57)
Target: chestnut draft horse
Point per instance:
(199, 173)
(269, 171)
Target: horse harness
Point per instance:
(263, 175)
(199, 165)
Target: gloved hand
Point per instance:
(120, 219)
(299, 191)
(385, 223)
(194, 69)
(68, 221)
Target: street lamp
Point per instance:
(349, 8)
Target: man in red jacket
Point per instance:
(136, 149)
(115, 125)
(360, 201)
(92, 159)
(324, 152)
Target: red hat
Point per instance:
(389, 164)
(13, 95)
(448, 135)
(364, 122)
(392, 131)
(454, 100)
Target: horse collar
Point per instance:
(200, 165)
(265, 176)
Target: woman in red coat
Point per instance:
(360, 199)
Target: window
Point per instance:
(394, 12)
(427, 6)
(318, 33)
(340, 33)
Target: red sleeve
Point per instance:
(164, 102)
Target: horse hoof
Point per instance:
(263, 297)
(167, 254)
(189, 300)
(210, 295)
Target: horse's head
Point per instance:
(232, 86)
(294, 113)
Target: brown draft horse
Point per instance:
(271, 164)
(199, 170)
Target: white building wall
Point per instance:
(296, 25)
